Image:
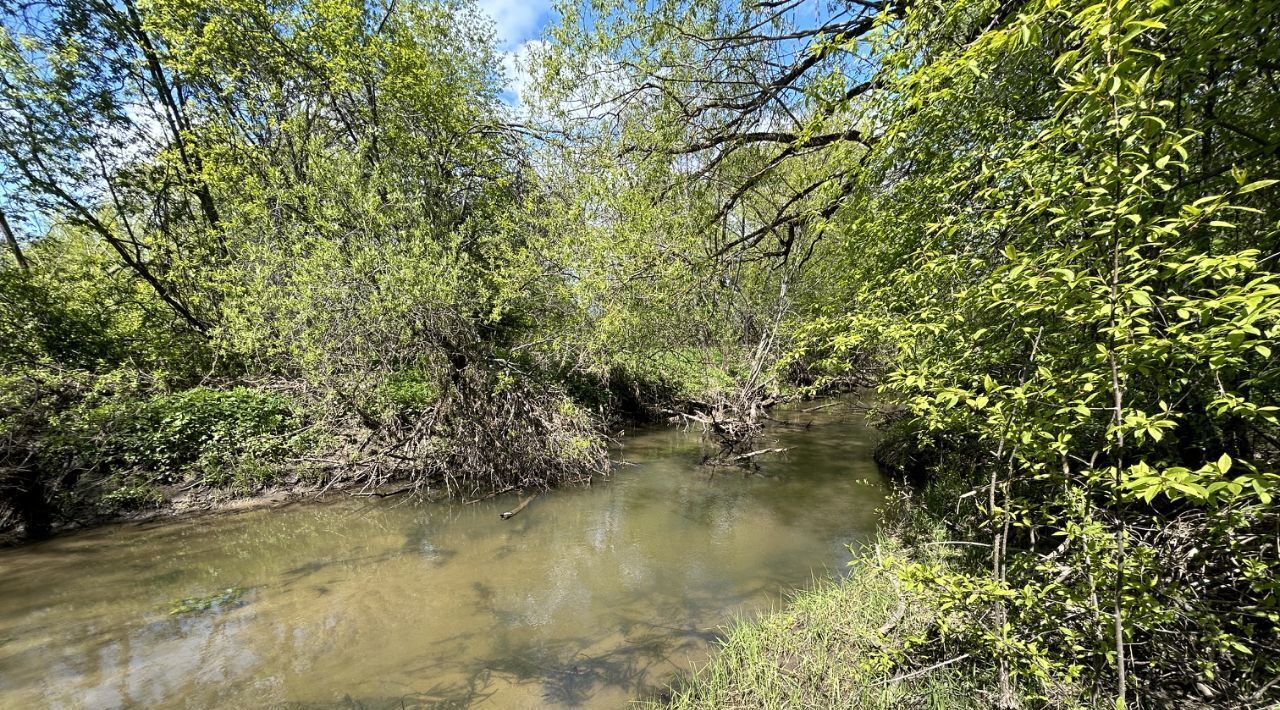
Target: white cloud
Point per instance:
(516, 21)
(515, 64)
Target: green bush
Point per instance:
(409, 392)
(131, 495)
(75, 445)
(222, 436)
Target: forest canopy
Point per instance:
(256, 244)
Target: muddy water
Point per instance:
(587, 598)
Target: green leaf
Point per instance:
(1224, 463)
(1257, 185)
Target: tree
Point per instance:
(97, 133)
(1069, 263)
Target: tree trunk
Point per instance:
(32, 507)
(12, 241)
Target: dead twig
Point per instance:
(386, 494)
(922, 671)
(899, 613)
(820, 406)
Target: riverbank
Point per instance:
(180, 505)
(833, 646)
(878, 637)
(78, 450)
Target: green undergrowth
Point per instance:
(219, 437)
(90, 444)
(825, 650)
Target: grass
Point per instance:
(868, 641)
(832, 647)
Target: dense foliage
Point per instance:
(1053, 225)
(1092, 306)
(300, 221)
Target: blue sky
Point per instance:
(518, 23)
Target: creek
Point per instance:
(589, 597)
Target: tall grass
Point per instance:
(831, 646)
(866, 640)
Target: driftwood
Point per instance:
(752, 454)
(922, 671)
(820, 406)
(516, 510)
(899, 613)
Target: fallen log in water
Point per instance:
(752, 454)
(514, 511)
(384, 494)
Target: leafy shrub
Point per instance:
(131, 496)
(408, 392)
(211, 433)
(75, 444)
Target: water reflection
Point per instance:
(587, 598)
